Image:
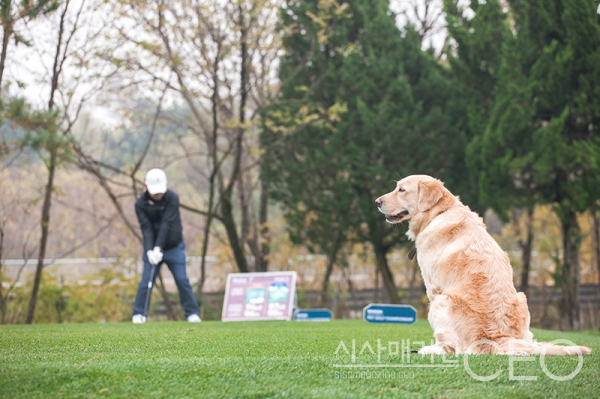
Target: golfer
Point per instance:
(157, 210)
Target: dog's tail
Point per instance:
(523, 347)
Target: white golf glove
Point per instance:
(150, 255)
(154, 256)
(158, 255)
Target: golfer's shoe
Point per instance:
(138, 319)
(194, 318)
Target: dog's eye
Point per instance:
(400, 189)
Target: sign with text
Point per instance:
(381, 313)
(259, 296)
(313, 315)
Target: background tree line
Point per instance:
(306, 110)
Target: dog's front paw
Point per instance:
(432, 350)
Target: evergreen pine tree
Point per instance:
(541, 142)
(361, 105)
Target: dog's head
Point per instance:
(413, 195)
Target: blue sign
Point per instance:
(380, 313)
(313, 315)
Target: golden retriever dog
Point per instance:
(474, 306)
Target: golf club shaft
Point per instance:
(150, 285)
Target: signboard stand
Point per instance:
(313, 315)
(259, 296)
(383, 313)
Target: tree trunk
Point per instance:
(45, 222)
(234, 241)
(259, 242)
(226, 195)
(204, 252)
(386, 275)
(215, 165)
(376, 238)
(53, 143)
(7, 30)
(243, 207)
(265, 248)
(526, 246)
(325, 286)
(348, 280)
(227, 213)
(331, 259)
(2, 300)
(596, 237)
(376, 296)
(209, 219)
(570, 276)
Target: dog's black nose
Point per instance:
(379, 202)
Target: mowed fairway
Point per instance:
(266, 359)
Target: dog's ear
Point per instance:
(430, 193)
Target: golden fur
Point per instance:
(467, 275)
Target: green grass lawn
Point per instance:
(265, 359)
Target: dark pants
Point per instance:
(175, 260)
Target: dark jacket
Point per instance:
(160, 221)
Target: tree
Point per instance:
(478, 66)
(367, 105)
(49, 127)
(215, 59)
(496, 186)
(541, 139)
(474, 60)
(11, 12)
(301, 133)
(42, 134)
(318, 203)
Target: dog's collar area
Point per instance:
(412, 252)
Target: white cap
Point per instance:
(156, 181)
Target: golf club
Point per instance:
(150, 284)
